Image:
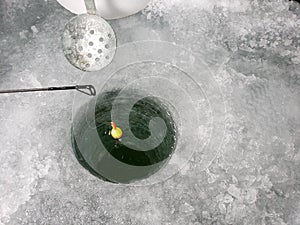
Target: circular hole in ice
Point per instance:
(108, 153)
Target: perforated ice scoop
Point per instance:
(89, 42)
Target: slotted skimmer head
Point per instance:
(89, 42)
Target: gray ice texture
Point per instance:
(253, 50)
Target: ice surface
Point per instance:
(252, 49)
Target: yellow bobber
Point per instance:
(115, 132)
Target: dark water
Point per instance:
(139, 164)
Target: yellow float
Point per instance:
(115, 132)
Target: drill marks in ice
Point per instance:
(260, 104)
(263, 104)
(155, 123)
(258, 89)
(256, 93)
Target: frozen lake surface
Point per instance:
(245, 166)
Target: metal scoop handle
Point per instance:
(90, 6)
(85, 89)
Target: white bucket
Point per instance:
(108, 9)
